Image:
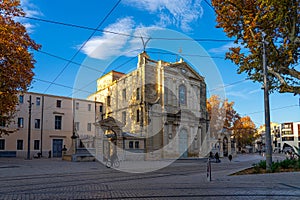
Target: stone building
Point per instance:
(54, 119)
(160, 106)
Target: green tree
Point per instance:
(279, 20)
(16, 60)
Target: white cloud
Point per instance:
(222, 49)
(255, 91)
(176, 12)
(30, 10)
(240, 94)
(107, 45)
(102, 47)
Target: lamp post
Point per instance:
(29, 128)
(267, 109)
(219, 144)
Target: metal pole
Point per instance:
(42, 125)
(29, 129)
(267, 111)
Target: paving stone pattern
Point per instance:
(184, 179)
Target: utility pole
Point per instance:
(267, 110)
(29, 128)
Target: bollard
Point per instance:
(208, 171)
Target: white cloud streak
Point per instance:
(102, 47)
(176, 12)
(30, 10)
(108, 45)
(222, 49)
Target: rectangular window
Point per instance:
(288, 139)
(124, 94)
(58, 103)
(101, 109)
(89, 107)
(77, 126)
(287, 133)
(2, 122)
(138, 94)
(124, 117)
(21, 99)
(108, 101)
(2, 144)
(89, 127)
(37, 123)
(77, 106)
(19, 144)
(58, 122)
(137, 115)
(131, 145)
(38, 101)
(20, 122)
(137, 145)
(36, 145)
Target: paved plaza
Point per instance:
(183, 179)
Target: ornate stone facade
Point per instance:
(161, 104)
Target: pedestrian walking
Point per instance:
(230, 157)
(217, 157)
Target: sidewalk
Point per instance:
(56, 179)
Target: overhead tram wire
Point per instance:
(187, 55)
(210, 5)
(73, 62)
(93, 81)
(75, 90)
(79, 64)
(128, 35)
(230, 84)
(129, 60)
(77, 52)
(62, 85)
(278, 108)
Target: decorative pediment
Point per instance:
(185, 70)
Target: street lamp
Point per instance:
(219, 143)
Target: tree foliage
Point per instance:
(244, 131)
(247, 21)
(221, 114)
(16, 60)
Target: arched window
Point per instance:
(182, 95)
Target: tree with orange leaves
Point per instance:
(221, 114)
(248, 21)
(16, 60)
(244, 131)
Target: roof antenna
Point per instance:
(145, 43)
(179, 53)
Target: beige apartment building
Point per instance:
(54, 119)
(159, 108)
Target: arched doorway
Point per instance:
(225, 146)
(183, 143)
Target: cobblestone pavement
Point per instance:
(184, 179)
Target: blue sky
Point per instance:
(181, 18)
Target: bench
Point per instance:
(8, 154)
